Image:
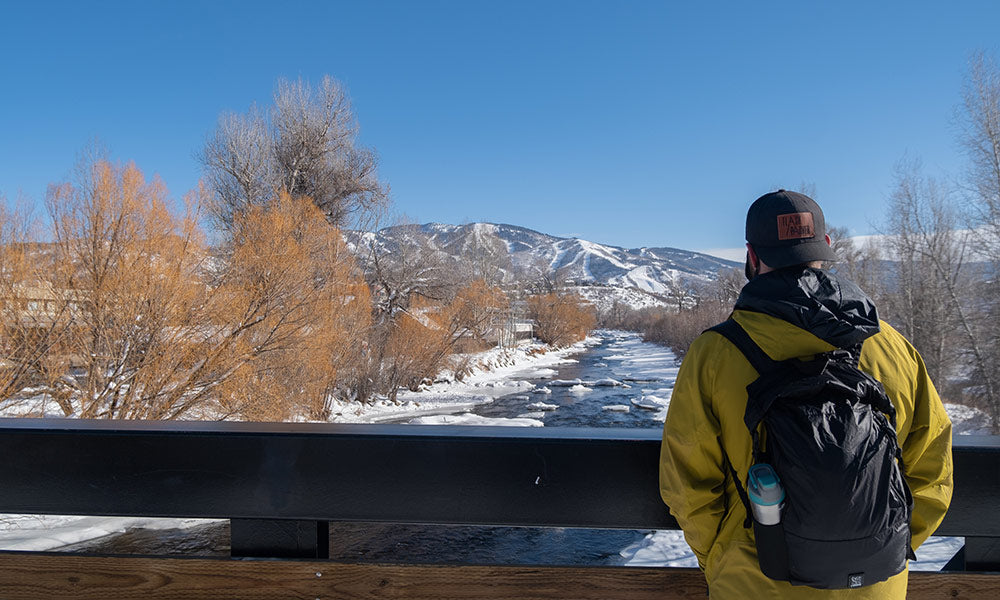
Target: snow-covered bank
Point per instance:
(497, 372)
(38, 533)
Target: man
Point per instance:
(791, 308)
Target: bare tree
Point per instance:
(930, 296)
(489, 260)
(538, 276)
(861, 263)
(979, 122)
(305, 144)
(980, 135)
(406, 266)
(681, 292)
(240, 166)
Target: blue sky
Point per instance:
(628, 123)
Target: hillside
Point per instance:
(635, 276)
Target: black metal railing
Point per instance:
(280, 484)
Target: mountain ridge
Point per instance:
(639, 276)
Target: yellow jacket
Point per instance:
(706, 415)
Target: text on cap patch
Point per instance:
(795, 226)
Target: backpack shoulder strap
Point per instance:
(762, 363)
(732, 331)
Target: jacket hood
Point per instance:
(830, 307)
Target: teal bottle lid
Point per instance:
(763, 486)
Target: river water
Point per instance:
(617, 381)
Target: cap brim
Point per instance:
(779, 257)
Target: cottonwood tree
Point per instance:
(929, 297)
(304, 144)
(34, 318)
(405, 267)
(125, 263)
(561, 319)
(857, 262)
(165, 331)
(291, 306)
(979, 122)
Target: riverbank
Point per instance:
(491, 374)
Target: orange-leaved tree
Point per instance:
(561, 319)
(292, 303)
(126, 265)
(424, 336)
(33, 319)
(162, 329)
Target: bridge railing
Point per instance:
(281, 484)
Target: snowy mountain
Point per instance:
(635, 276)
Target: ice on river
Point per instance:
(615, 408)
(543, 406)
(635, 360)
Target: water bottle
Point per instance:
(766, 494)
(767, 498)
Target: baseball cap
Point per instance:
(787, 228)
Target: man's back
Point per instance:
(789, 313)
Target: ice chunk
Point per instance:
(531, 415)
(566, 382)
(646, 402)
(608, 382)
(543, 406)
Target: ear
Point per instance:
(828, 242)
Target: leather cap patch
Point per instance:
(796, 226)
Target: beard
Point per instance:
(748, 269)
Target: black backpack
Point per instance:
(829, 433)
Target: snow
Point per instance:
(668, 549)
(532, 415)
(543, 406)
(37, 533)
(472, 419)
(580, 389)
(966, 420)
(649, 402)
(565, 382)
(501, 372)
(615, 408)
(608, 382)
